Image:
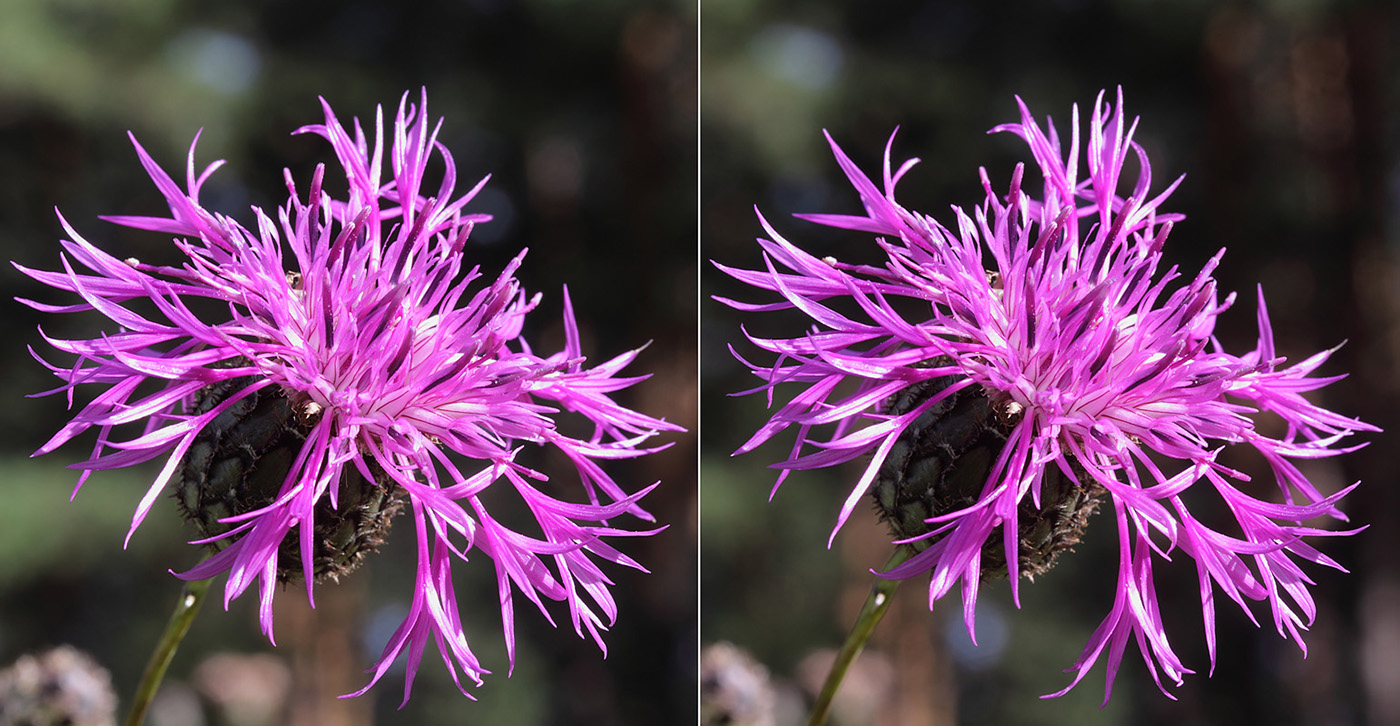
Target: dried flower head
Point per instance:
(360, 370)
(1050, 363)
(62, 685)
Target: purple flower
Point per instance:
(1092, 365)
(402, 376)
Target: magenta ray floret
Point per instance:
(1058, 306)
(411, 363)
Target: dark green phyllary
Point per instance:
(239, 462)
(941, 465)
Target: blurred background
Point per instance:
(584, 115)
(1283, 117)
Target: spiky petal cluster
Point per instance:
(360, 309)
(1058, 306)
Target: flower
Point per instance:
(1076, 366)
(358, 353)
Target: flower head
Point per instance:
(1078, 367)
(360, 369)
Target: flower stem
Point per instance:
(185, 610)
(870, 616)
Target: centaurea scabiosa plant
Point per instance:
(357, 367)
(1002, 377)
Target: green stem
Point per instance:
(185, 610)
(874, 609)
